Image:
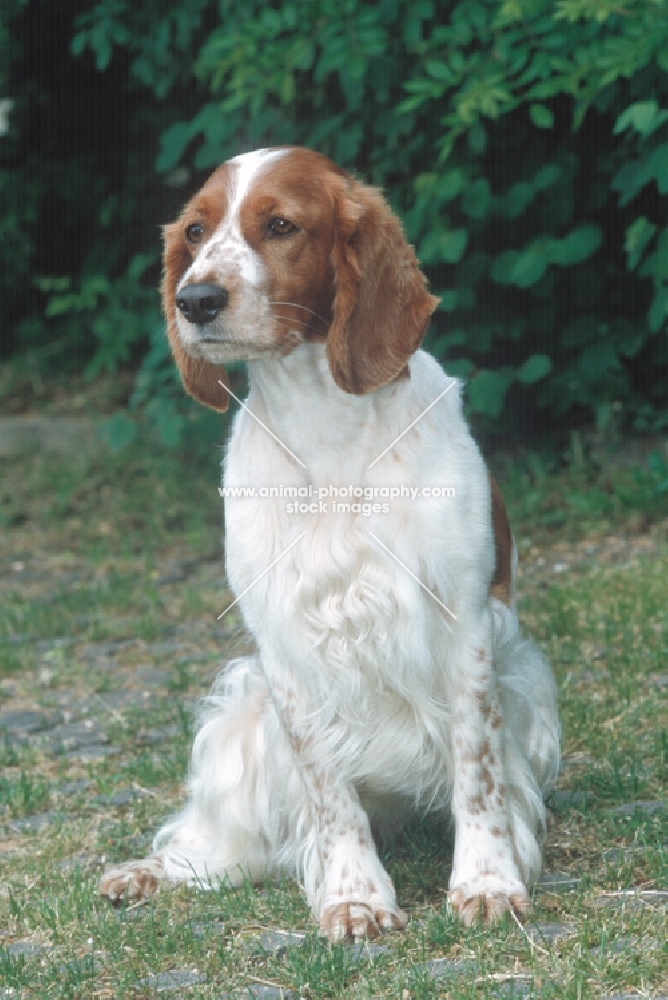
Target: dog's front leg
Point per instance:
(356, 897)
(485, 879)
(350, 893)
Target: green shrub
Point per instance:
(524, 142)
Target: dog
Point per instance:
(371, 558)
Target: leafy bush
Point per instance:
(524, 142)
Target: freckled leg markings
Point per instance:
(348, 889)
(357, 898)
(485, 880)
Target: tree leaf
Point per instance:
(638, 235)
(453, 245)
(541, 116)
(533, 369)
(577, 246)
(487, 391)
(643, 116)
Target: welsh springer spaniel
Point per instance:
(390, 676)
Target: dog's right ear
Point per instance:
(200, 378)
(382, 306)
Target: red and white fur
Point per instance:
(367, 701)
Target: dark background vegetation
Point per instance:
(524, 143)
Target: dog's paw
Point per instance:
(486, 901)
(133, 881)
(352, 921)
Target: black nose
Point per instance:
(201, 303)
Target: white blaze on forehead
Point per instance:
(227, 248)
(248, 166)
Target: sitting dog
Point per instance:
(374, 567)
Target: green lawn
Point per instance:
(110, 583)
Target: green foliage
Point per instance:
(117, 313)
(646, 244)
(547, 149)
(524, 143)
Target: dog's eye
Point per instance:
(281, 227)
(195, 232)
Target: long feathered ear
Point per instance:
(200, 378)
(381, 306)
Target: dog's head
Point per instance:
(279, 247)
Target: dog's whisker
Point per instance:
(297, 305)
(291, 321)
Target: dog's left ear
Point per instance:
(381, 306)
(199, 377)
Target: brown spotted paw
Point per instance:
(473, 902)
(134, 881)
(352, 921)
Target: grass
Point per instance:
(111, 583)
